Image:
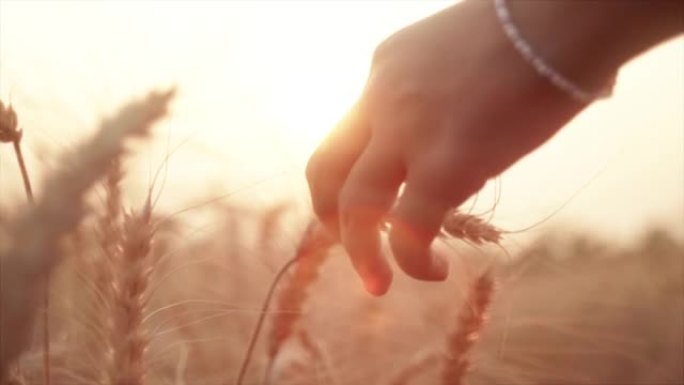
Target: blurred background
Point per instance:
(594, 297)
(262, 82)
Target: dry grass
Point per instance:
(138, 298)
(310, 255)
(470, 228)
(467, 330)
(130, 284)
(11, 133)
(33, 245)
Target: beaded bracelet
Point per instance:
(540, 65)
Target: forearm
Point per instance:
(588, 41)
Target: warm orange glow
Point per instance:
(262, 82)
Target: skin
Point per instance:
(449, 103)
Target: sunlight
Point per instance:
(316, 66)
(261, 83)
(309, 105)
(170, 290)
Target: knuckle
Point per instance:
(321, 175)
(320, 212)
(387, 47)
(380, 52)
(326, 213)
(351, 217)
(361, 205)
(311, 170)
(449, 179)
(350, 198)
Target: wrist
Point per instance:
(588, 41)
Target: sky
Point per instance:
(260, 83)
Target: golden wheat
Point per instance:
(466, 331)
(33, 245)
(131, 278)
(311, 254)
(470, 228)
(99, 268)
(10, 132)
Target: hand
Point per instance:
(449, 103)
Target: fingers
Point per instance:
(330, 164)
(415, 222)
(368, 194)
(354, 178)
(418, 216)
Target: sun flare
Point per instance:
(310, 105)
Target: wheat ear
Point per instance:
(100, 268)
(309, 256)
(466, 332)
(131, 278)
(470, 228)
(32, 249)
(290, 301)
(10, 133)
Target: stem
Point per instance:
(46, 331)
(46, 295)
(315, 238)
(24, 172)
(262, 316)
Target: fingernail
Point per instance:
(376, 286)
(377, 281)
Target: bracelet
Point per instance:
(540, 65)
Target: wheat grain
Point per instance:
(8, 125)
(132, 271)
(466, 332)
(312, 250)
(311, 254)
(33, 248)
(470, 228)
(100, 268)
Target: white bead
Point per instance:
(539, 64)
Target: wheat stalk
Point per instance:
(466, 332)
(32, 249)
(310, 254)
(10, 132)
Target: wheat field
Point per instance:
(96, 292)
